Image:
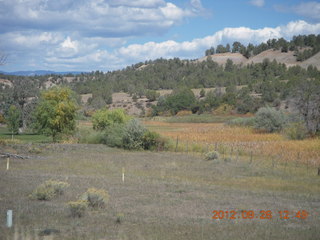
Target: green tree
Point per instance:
(180, 99)
(13, 119)
(56, 112)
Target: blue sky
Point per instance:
(87, 35)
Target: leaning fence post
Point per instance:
(9, 218)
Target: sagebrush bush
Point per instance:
(43, 193)
(133, 134)
(213, 155)
(296, 131)
(270, 120)
(48, 190)
(96, 198)
(78, 208)
(58, 186)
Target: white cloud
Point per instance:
(138, 3)
(106, 18)
(54, 51)
(196, 47)
(257, 3)
(308, 9)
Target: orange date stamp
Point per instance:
(260, 214)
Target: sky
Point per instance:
(104, 35)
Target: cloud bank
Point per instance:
(86, 35)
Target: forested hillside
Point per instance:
(244, 88)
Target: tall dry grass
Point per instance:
(243, 139)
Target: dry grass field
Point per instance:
(204, 136)
(164, 195)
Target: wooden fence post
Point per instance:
(8, 163)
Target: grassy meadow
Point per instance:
(167, 195)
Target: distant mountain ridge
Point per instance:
(39, 73)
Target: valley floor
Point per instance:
(164, 195)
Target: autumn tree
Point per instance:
(56, 112)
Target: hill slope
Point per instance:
(314, 60)
(221, 58)
(287, 58)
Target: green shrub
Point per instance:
(213, 155)
(104, 118)
(242, 122)
(270, 120)
(49, 190)
(78, 208)
(296, 131)
(113, 136)
(90, 136)
(96, 198)
(151, 140)
(133, 135)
